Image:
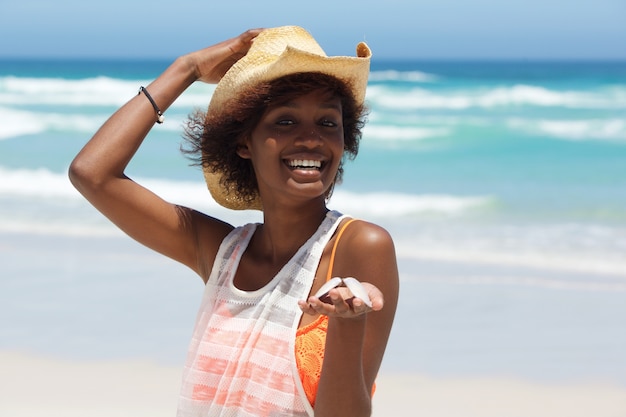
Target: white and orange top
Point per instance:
(241, 359)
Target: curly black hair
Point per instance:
(212, 139)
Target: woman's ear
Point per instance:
(243, 151)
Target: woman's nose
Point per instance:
(310, 136)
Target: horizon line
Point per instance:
(374, 59)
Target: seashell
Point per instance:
(355, 287)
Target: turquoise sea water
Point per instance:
(537, 149)
(505, 174)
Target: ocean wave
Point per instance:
(22, 122)
(42, 188)
(384, 204)
(39, 105)
(40, 201)
(548, 282)
(554, 261)
(112, 92)
(406, 76)
(403, 133)
(600, 129)
(29, 122)
(60, 227)
(432, 227)
(42, 183)
(97, 92)
(100, 91)
(35, 183)
(508, 96)
(559, 246)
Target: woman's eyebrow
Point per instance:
(331, 105)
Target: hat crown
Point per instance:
(273, 42)
(266, 50)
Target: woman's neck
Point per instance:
(285, 231)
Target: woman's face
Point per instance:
(296, 148)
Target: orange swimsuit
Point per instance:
(310, 343)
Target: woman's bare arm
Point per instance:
(98, 170)
(357, 336)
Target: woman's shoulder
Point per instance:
(367, 241)
(367, 252)
(365, 233)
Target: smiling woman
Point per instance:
(281, 121)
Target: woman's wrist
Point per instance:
(187, 63)
(350, 328)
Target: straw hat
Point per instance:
(275, 53)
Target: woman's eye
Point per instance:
(285, 122)
(328, 123)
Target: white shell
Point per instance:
(355, 287)
(328, 285)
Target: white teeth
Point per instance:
(303, 163)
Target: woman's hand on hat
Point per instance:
(210, 64)
(341, 303)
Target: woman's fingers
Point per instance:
(340, 303)
(213, 62)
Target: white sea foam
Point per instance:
(396, 204)
(39, 105)
(35, 183)
(56, 207)
(22, 122)
(408, 76)
(402, 133)
(17, 123)
(613, 267)
(78, 105)
(43, 183)
(549, 282)
(99, 91)
(506, 96)
(111, 92)
(582, 129)
(60, 227)
(432, 227)
(560, 246)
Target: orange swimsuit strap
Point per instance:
(329, 274)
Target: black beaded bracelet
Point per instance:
(160, 116)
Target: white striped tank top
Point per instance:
(241, 359)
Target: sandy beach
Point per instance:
(99, 327)
(33, 385)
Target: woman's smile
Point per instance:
(305, 168)
(305, 164)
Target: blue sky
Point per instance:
(420, 29)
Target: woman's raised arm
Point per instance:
(98, 169)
